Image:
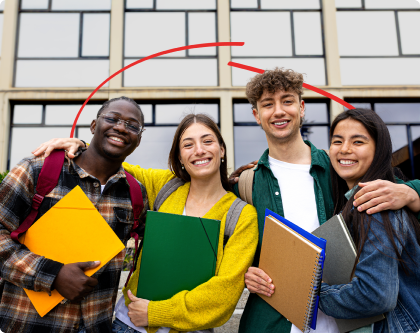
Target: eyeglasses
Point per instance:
(131, 126)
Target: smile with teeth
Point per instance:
(116, 139)
(201, 162)
(347, 162)
(281, 123)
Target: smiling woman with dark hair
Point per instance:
(386, 272)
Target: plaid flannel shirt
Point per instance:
(20, 268)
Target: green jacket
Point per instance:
(258, 315)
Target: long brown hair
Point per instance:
(359, 223)
(174, 162)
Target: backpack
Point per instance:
(246, 182)
(48, 180)
(232, 216)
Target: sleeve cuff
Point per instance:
(160, 314)
(47, 272)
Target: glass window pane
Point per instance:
(2, 5)
(244, 4)
(185, 4)
(1, 30)
(141, 4)
(356, 39)
(250, 143)
(360, 106)
(20, 148)
(287, 4)
(242, 112)
(174, 113)
(61, 73)
(145, 34)
(34, 4)
(95, 35)
(65, 114)
(415, 132)
(399, 71)
(392, 4)
(398, 136)
(258, 42)
(308, 41)
(409, 31)
(154, 148)
(398, 112)
(318, 135)
(48, 35)
(314, 68)
(84, 133)
(202, 29)
(173, 72)
(27, 114)
(81, 5)
(147, 110)
(316, 113)
(348, 3)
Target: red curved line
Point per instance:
(305, 85)
(195, 46)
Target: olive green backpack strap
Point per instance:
(232, 218)
(169, 188)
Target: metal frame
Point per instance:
(397, 26)
(373, 101)
(186, 11)
(155, 102)
(80, 41)
(292, 29)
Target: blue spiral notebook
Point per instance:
(287, 247)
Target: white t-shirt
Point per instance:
(299, 206)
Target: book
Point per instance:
(71, 231)
(340, 257)
(293, 258)
(179, 253)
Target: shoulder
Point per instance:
(399, 220)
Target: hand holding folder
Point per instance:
(71, 231)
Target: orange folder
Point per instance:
(71, 231)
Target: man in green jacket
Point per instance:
(292, 178)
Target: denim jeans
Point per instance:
(119, 327)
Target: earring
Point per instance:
(182, 166)
(223, 160)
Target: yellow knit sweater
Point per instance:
(212, 303)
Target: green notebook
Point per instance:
(179, 253)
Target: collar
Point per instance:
(316, 158)
(83, 174)
(349, 193)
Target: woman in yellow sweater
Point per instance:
(198, 156)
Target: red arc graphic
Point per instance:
(188, 47)
(305, 85)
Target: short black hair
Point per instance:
(122, 98)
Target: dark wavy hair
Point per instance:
(359, 222)
(174, 162)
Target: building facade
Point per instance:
(54, 53)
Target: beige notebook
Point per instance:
(292, 262)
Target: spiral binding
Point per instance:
(315, 286)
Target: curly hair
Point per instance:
(272, 81)
(122, 98)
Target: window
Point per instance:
(161, 120)
(403, 121)
(250, 140)
(147, 33)
(393, 26)
(63, 43)
(35, 123)
(289, 43)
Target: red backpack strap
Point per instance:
(137, 203)
(47, 180)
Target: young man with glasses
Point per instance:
(98, 171)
